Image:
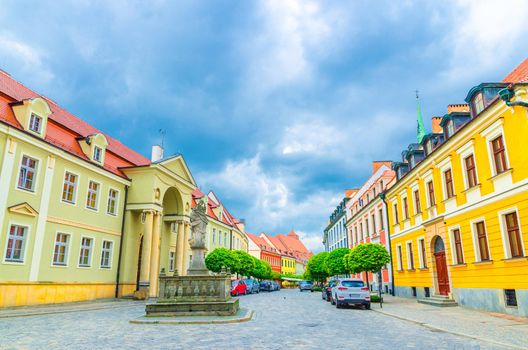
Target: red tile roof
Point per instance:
(64, 128)
(519, 74)
(261, 243)
(289, 245)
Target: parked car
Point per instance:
(306, 285)
(276, 285)
(326, 293)
(266, 286)
(238, 287)
(252, 286)
(349, 291)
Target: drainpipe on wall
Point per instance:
(387, 230)
(121, 243)
(507, 94)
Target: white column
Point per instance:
(40, 230)
(5, 176)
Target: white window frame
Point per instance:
(444, 166)
(41, 121)
(421, 258)
(451, 230)
(116, 202)
(490, 133)
(75, 190)
(24, 243)
(409, 252)
(97, 198)
(428, 177)
(110, 254)
(34, 188)
(399, 257)
(90, 256)
(474, 234)
(504, 231)
(66, 251)
(464, 152)
(97, 154)
(395, 215)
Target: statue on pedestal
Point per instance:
(197, 240)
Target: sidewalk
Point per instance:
(495, 328)
(47, 309)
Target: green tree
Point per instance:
(369, 257)
(334, 262)
(258, 270)
(222, 257)
(275, 275)
(316, 267)
(246, 263)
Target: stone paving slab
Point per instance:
(494, 328)
(243, 315)
(49, 309)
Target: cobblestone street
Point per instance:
(285, 319)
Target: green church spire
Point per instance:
(421, 129)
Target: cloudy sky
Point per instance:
(276, 105)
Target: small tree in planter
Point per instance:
(334, 262)
(246, 262)
(222, 257)
(368, 257)
(316, 267)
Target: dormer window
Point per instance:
(97, 154)
(450, 129)
(35, 123)
(428, 147)
(478, 103)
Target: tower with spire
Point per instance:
(420, 128)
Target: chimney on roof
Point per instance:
(379, 163)
(435, 125)
(157, 153)
(461, 107)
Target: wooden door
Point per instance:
(441, 273)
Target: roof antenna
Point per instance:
(162, 133)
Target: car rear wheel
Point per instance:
(332, 301)
(338, 305)
(236, 293)
(367, 306)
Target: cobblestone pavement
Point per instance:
(498, 328)
(285, 319)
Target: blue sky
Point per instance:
(277, 106)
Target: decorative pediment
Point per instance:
(23, 209)
(177, 165)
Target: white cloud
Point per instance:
(24, 58)
(484, 35)
(293, 36)
(268, 200)
(315, 138)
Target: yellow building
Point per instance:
(459, 211)
(81, 215)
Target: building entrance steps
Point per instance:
(439, 300)
(500, 329)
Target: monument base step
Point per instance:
(193, 308)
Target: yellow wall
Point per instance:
(493, 195)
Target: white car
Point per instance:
(350, 291)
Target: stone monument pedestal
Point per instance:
(197, 295)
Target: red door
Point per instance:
(441, 273)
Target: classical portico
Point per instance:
(156, 224)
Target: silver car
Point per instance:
(350, 291)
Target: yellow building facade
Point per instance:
(81, 215)
(458, 213)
